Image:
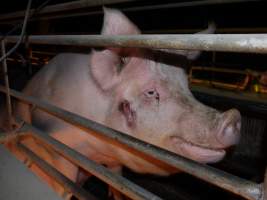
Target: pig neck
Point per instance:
(95, 101)
(68, 84)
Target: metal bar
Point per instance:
(68, 185)
(8, 98)
(118, 182)
(252, 98)
(70, 6)
(215, 69)
(216, 177)
(253, 43)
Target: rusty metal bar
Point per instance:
(253, 43)
(118, 182)
(216, 177)
(8, 98)
(253, 98)
(68, 185)
(238, 85)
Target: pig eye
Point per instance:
(152, 93)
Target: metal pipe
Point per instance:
(216, 177)
(258, 101)
(253, 43)
(8, 98)
(118, 182)
(68, 185)
(70, 6)
(215, 69)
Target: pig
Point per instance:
(130, 90)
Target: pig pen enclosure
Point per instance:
(230, 73)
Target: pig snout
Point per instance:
(229, 128)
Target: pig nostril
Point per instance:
(229, 132)
(229, 135)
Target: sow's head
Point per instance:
(150, 98)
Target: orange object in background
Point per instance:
(229, 79)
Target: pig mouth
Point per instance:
(199, 153)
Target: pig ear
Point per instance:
(104, 70)
(193, 55)
(116, 23)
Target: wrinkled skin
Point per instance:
(134, 94)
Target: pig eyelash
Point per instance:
(152, 93)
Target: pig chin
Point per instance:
(197, 152)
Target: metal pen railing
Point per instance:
(256, 43)
(250, 43)
(216, 177)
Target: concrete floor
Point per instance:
(18, 183)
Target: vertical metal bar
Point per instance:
(8, 98)
(68, 185)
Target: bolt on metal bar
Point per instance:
(118, 182)
(253, 43)
(216, 177)
(8, 98)
(68, 185)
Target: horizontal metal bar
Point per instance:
(254, 43)
(68, 185)
(118, 182)
(216, 177)
(216, 69)
(252, 98)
